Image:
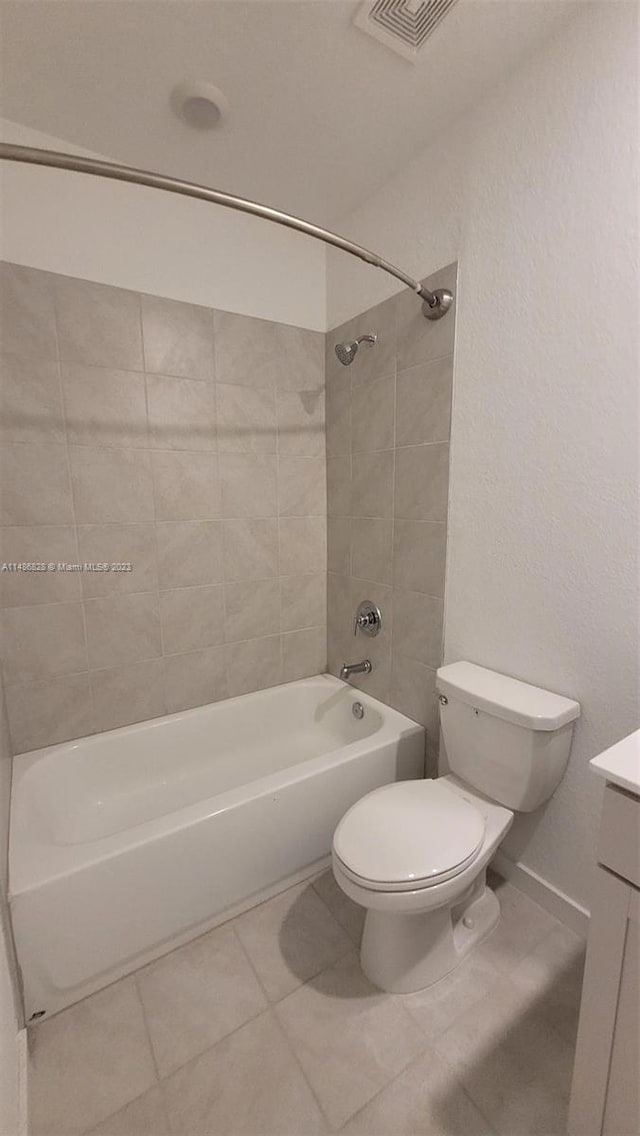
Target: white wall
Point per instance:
(536, 193)
(152, 241)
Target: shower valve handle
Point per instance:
(368, 619)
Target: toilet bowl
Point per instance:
(414, 853)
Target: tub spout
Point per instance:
(348, 669)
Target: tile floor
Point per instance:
(268, 1026)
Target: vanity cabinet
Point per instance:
(605, 1096)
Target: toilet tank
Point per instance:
(506, 738)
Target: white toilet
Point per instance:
(414, 853)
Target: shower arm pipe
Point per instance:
(436, 303)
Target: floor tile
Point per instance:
(437, 1007)
(291, 938)
(248, 1083)
(425, 1100)
(515, 1067)
(143, 1117)
(89, 1061)
(349, 914)
(523, 924)
(197, 995)
(550, 979)
(350, 1038)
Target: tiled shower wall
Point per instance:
(388, 426)
(187, 441)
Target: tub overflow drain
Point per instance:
(357, 710)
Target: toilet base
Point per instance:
(404, 953)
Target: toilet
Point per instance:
(415, 853)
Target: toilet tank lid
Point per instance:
(506, 697)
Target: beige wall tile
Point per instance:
(250, 548)
(378, 361)
(302, 358)
(301, 423)
(371, 549)
(192, 618)
(186, 485)
(252, 609)
(422, 482)
(253, 665)
(182, 413)
(417, 627)
(372, 484)
(338, 398)
(104, 407)
(247, 350)
(189, 553)
(42, 641)
(302, 487)
(304, 653)
(339, 486)
(27, 311)
(34, 485)
(118, 544)
(303, 602)
(249, 487)
(177, 337)
(122, 629)
(413, 692)
(419, 556)
(260, 353)
(98, 325)
(420, 339)
(111, 485)
(339, 545)
(423, 403)
(372, 416)
(303, 544)
(42, 544)
(122, 695)
(195, 679)
(44, 713)
(72, 1086)
(246, 419)
(30, 400)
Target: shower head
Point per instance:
(347, 352)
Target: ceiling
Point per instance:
(320, 114)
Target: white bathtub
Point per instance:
(128, 843)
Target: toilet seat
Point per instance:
(407, 836)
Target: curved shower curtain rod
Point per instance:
(436, 304)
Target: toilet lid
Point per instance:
(410, 833)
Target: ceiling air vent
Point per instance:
(403, 25)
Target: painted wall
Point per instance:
(536, 194)
(155, 242)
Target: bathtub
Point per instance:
(127, 844)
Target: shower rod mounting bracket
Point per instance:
(443, 300)
(436, 304)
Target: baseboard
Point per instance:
(575, 917)
(23, 1087)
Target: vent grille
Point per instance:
(403, 25)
